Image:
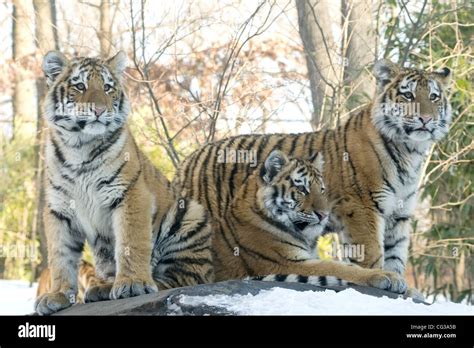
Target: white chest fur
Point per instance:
(83, 193)
(85, 203)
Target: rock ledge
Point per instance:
(168, 302)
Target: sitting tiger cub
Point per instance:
(273, 224)
(101, 188)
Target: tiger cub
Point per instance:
(273, 224)
(101, 188)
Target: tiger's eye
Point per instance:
(107, 87)
(408, 95)
(80, 86)
(433, 97)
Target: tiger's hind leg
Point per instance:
(182, 250)
(91, 285)
(98, 282)
(99, 290)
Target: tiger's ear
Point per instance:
(54, 63)
(118, 63)
(317, 160)
(443, 76)
(385, 71)
(273, 164)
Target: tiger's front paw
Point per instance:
(127, 287)
(53, 302)
(389, 281)
(98, 293)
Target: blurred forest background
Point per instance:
(203, 70)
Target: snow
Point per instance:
(279, 301)
(16, 297)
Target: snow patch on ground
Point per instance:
(279, 301)
(16, 297)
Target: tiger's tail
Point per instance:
(297, 278)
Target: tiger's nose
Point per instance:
(425, 119)
(99, 110)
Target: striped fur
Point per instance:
(182, 248)
(101, 188)
(326, 281)
(271, 228)
(373, 163)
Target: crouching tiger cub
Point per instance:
(273, 224)
(101, 188)
(373, 162)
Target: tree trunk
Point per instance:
(24, 96)
(46, 30)
(105, 37)
(339, 40)
(315, 18)
(47, 39)
(361, 50)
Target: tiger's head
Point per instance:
(412, 105)
(86, 98)
(292, 192)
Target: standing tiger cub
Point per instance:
(101, 188)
